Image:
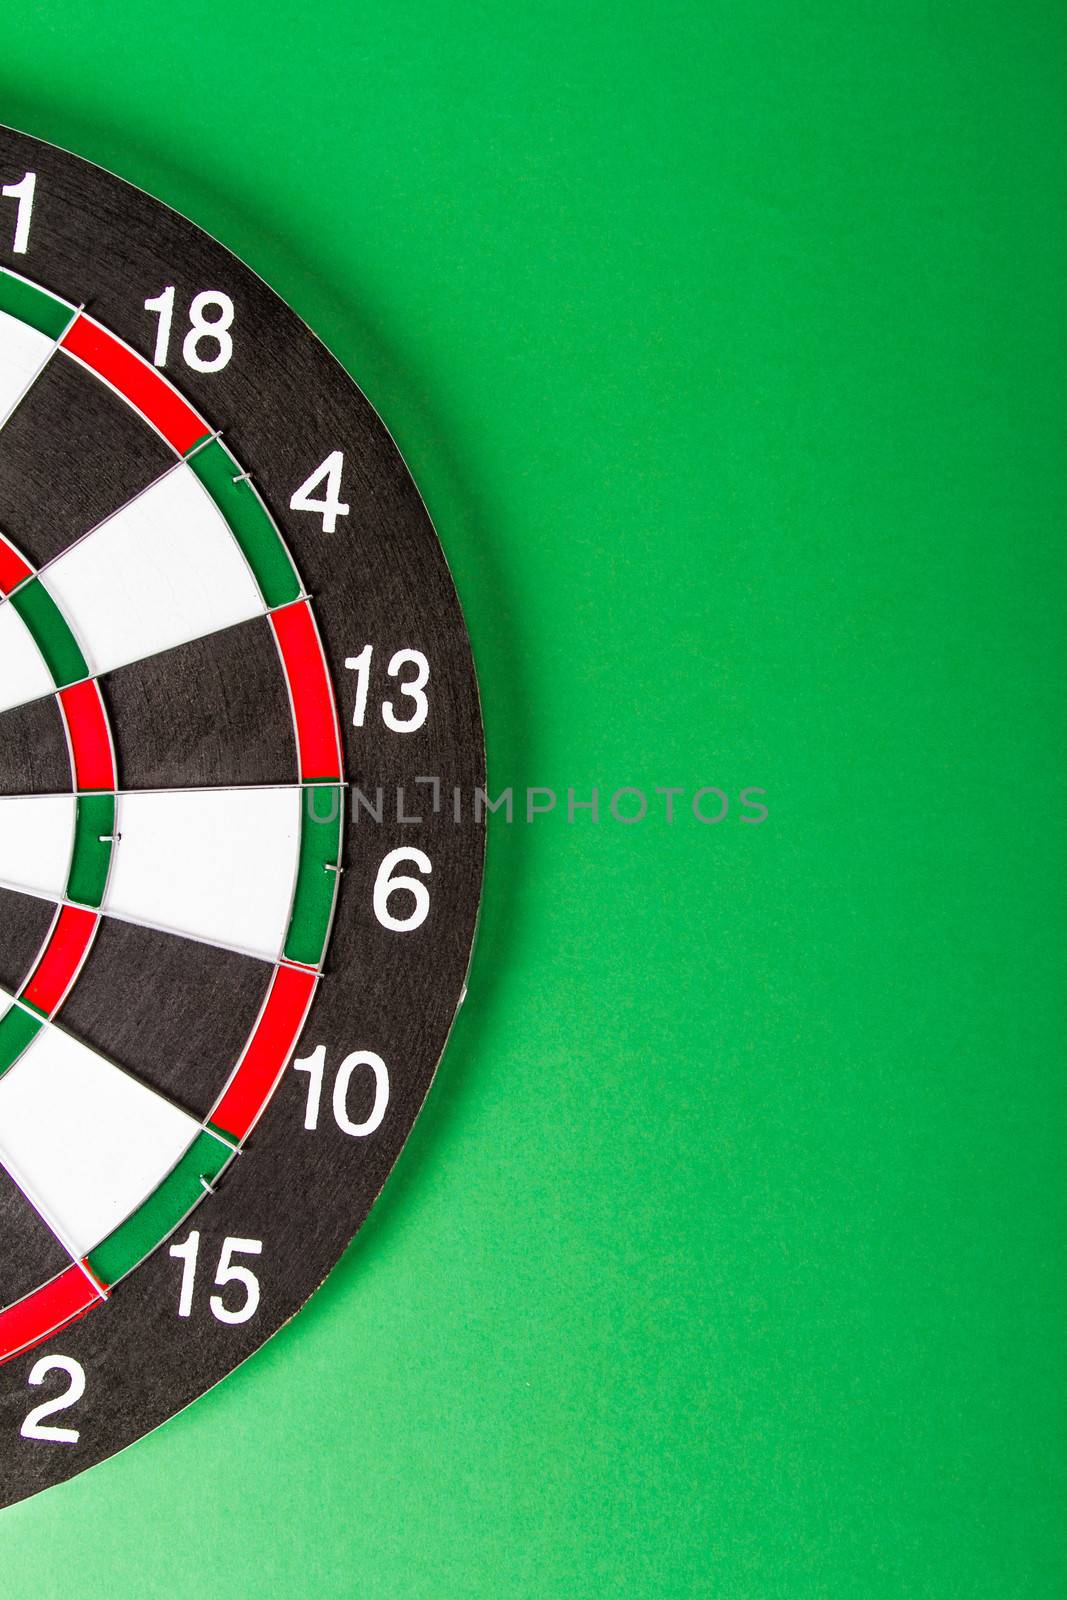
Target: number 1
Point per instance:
(187, 1253)
(164, 304)
(361, 666)
(23, 192)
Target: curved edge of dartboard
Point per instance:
(240, 856)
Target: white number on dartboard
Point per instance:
(329, 505)
(359, 1060)
(34, 1425)
(388, 883)
(204, 330)
(23, 192)
(412, 690)
(228, 1272)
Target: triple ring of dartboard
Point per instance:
(239, 727)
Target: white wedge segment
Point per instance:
(23, 674)
(23, 352)
(85, 1142)
(162, 571)
(214, 864)
(36, 840)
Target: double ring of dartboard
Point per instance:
(223, 606)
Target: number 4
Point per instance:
(330, 507)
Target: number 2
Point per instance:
(33, 1427)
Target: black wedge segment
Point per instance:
(29, 1253)
(34, 758)
(71, 453)
(167, 1009)
(24, 925)
(213, 712)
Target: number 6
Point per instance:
(384, 886)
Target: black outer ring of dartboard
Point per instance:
(283, 404)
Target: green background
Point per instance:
(727, 344)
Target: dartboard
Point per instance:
(240, 855)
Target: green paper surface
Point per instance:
(727, 346)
